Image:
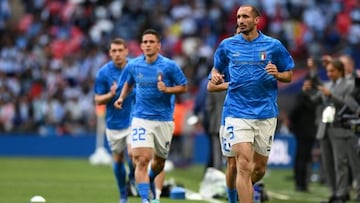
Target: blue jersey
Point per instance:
(252, 92)
(115, 118)
(151, 103)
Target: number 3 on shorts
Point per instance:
(230, 131)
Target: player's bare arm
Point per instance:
(124, 93)
(170, 90)
(285, 76)
(211, 87)
(105, 98)
(216, 77)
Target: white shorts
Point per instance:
(225, 142)
(258, 132)
(118, 139)
(154, 134)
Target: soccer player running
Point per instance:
(255, 63)
(156, 79)
(109, 79)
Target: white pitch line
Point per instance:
(288, 197)
(278, 196)
(191, 195)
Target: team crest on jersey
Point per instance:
(262, 55)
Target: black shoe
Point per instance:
(338, 201)
(263, 193)
(331, 200)
(346, 197)
(131, 188)
(301, 189)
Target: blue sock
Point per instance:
(232, 195)
(120, 176)
(152, 175)
(131, 171)
(153, 189)
(257, 193)
(143, 189)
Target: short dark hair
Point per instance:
(338, 65)
(255, 10)
(152, 32)
(119, 41)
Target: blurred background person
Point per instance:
(303, 125)
(201, 112)
(353, 109)
(304, 118)
(176, 153)
(332, 136)
(350, 73)
(312, 67)
(213, 110)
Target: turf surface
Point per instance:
(76, 181)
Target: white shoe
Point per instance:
(123, 201)
(133, 189)
(155, 201)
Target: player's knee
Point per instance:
(142, 161)
(259, 171)
(118, 157)
(244, 167)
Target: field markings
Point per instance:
(296, 197)
(278, 196)
(191, 195)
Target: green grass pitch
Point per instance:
(61, 180)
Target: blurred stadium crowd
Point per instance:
(50, 50)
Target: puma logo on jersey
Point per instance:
(236, 54)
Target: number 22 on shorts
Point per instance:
(138, 134)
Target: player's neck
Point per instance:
(251, 35)
(151, 58)
(120, 65)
